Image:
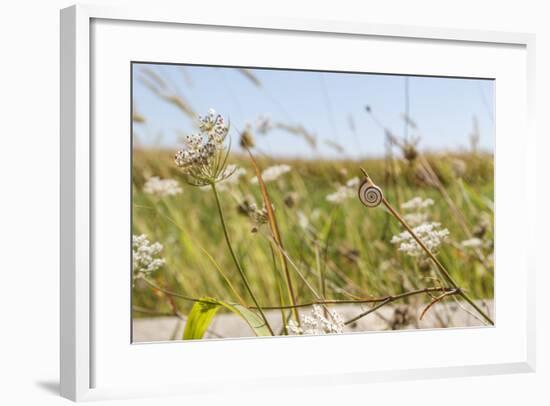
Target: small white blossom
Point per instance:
(417, 203)
(161, 187)
(472, 243)
(429, 233)
(417, 210)
(272, 173)
(202, 159)
(316, 323)
(259, 216)
(415, 219)
(353, 182)
(214, 126)
(145, 256)
(344, 192)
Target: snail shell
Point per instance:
(370, 194)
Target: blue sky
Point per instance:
(324, 103)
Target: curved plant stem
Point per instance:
(382, 299)
(365, 300)
(236, 261)
(175, 294)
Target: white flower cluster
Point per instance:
(161, 187)
(202, 147)
(145, 256)
(417, 208)
(431, 234)
(472, 243)
(272, 173)
(417, 203)
(317, 324)
(344, 192)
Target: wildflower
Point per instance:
(161, 187)
(417, 203)
(272, 173)
(344, 192)
(259, 216)
(472, 243)
(214, 126)
(245, 205)
(264, 124)
(203, 159)
(415, 219)
(429, 233)
(353, 182)
(145, 256)
(419, 207)
(317, 324)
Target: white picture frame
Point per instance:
(78, 348)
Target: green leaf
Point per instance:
(255, 322)
(199, 319)
(202, 313)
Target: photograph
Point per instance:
(292, 202)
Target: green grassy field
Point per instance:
(341, 250)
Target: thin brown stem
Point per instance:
(391, 299)
(360, 301)
(177, 295)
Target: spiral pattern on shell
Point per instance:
(369, 194)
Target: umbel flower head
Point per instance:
(431, 234)
(417, 210)
(259, 216)
(272, 173)
(204, 158)
(316, 323)
(145, 256)
(161, 187)
(344, 192)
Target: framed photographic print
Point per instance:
(237, 195)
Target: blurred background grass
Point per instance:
(347, 243)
